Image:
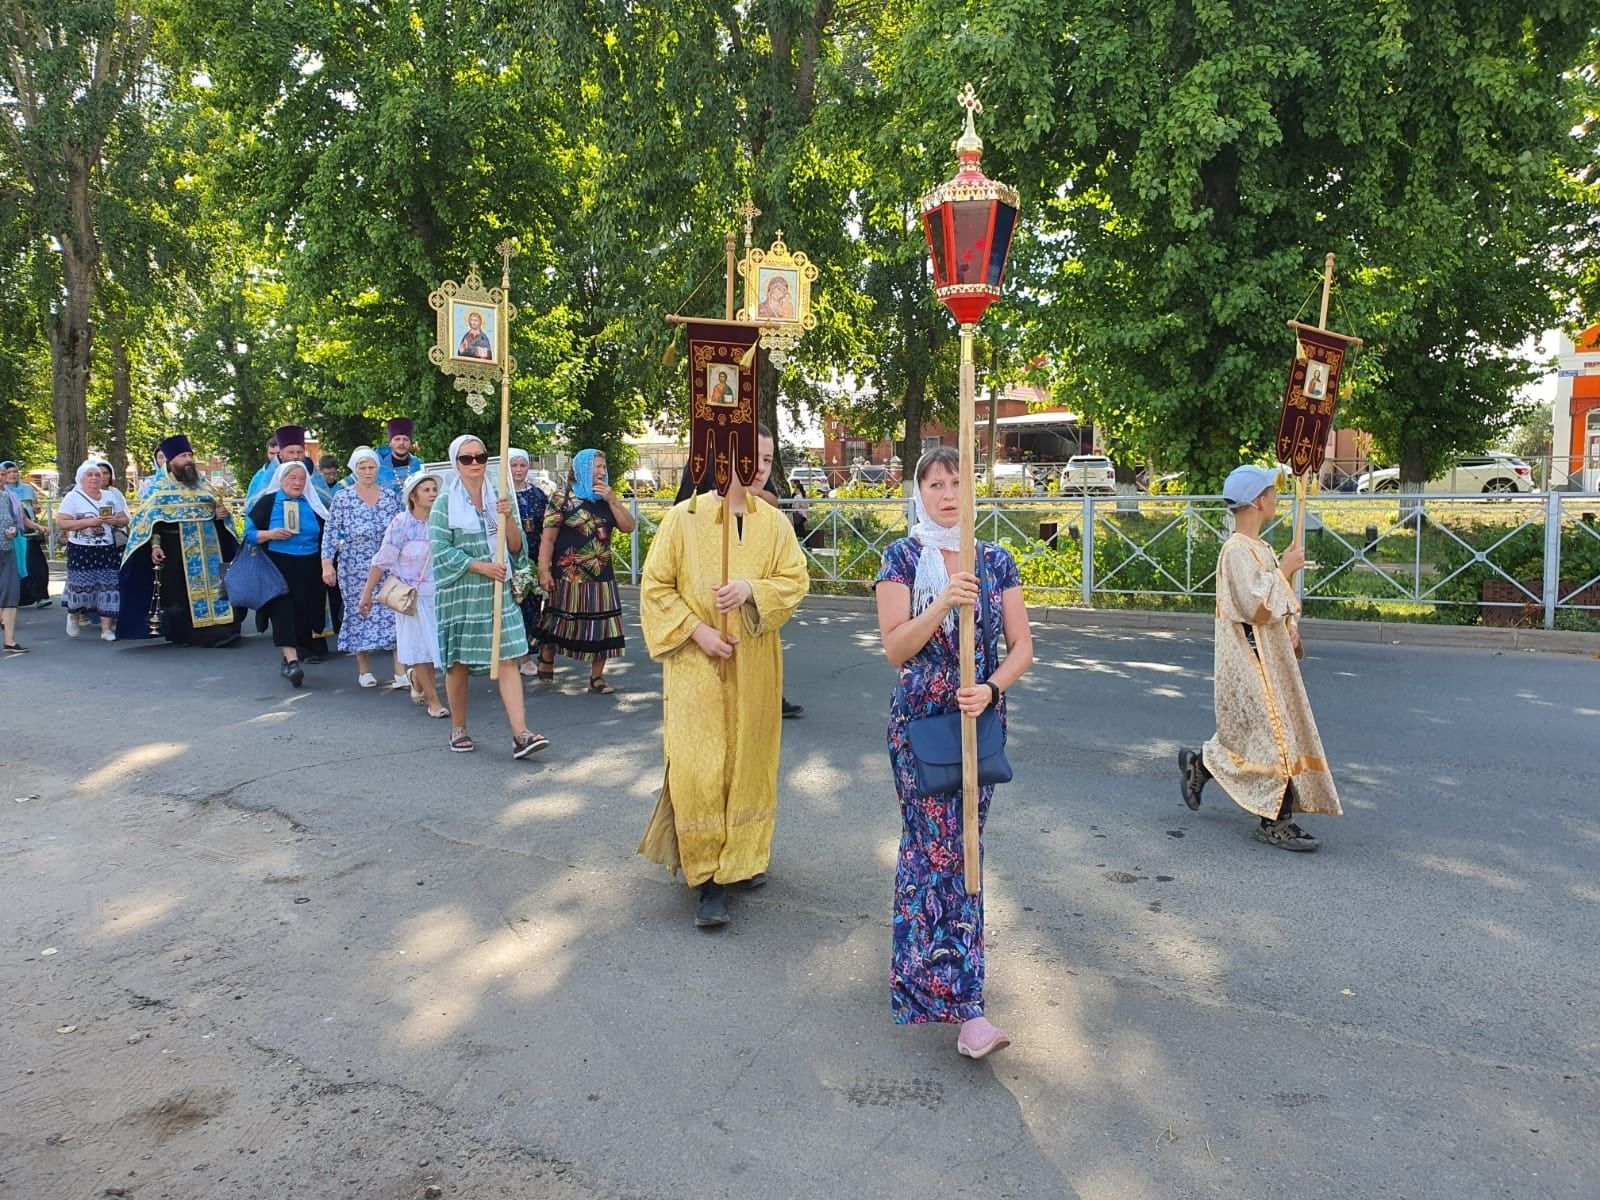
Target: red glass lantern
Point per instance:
(969, 222)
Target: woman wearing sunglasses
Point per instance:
(462, 529)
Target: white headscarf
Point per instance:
(932, 577)
(513, 454)
(360, 453)
(310, 495)
(463, 513)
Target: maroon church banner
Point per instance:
(1312, 397)
(722, 401)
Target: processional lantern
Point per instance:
(969, 221)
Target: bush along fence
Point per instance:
(1531, 560)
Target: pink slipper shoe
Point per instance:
(978, 1038)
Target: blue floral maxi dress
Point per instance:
(936, 971)
(351, 537)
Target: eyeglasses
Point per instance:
(479, 459)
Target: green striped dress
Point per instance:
(465, 599)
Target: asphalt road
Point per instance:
(299, 949)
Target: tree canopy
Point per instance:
(230, 214)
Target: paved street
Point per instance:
(263, 943)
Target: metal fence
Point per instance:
(1463, 559)
(1529, 560)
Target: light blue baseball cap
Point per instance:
(1245, 484)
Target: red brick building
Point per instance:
(1026, 430)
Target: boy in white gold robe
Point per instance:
(1266, 753)
(721, 735)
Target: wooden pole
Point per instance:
(505, 444)
(967, 561)
(727, 497)
(1300, 478)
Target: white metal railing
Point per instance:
(1461, 558)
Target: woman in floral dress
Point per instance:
(582, 614)
(531, 506)
(936, 973)
(407, 553)
(357, 520)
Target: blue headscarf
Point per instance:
(583, 480)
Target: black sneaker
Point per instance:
(1286, 835)
(1192, 777)
(712, 911)
(790, 711)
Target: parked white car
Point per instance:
(814, 478)
(1089, 473)
(1011, 475)
(1494, 472)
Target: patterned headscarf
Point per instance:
(583, 480)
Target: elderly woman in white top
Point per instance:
(358, 518)
(89, 515)
(407, 553)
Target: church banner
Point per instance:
(723, 367)
(1312, 396)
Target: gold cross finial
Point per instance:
(969, 142)
(749, 212)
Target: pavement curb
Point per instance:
(1392, 633)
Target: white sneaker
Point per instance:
(72, 624)
(367, 679)
(107, 636)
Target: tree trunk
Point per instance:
(1412, 477)
(70, 330)
(121, 404)
(767, 412)
(1413, 472)
(916, 408)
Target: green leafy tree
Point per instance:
(72, 70)
(1192, 168)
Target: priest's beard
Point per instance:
(188, 475)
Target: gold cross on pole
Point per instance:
(749, 212)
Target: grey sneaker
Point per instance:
(1193, 775)
(1286, 835)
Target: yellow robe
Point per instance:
(720, 797)
(1266, 736)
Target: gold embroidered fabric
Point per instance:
(720, 797)
(1266, 736)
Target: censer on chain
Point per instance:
(154, 623)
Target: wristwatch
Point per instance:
(994, 688)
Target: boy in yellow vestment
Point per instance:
(720, 797)
(1267, 754)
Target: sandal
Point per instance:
(15, 648)
(460, 743)
(599, 686)
(439, 713)
(978, 1038)
(547, 672)
(527, 742)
